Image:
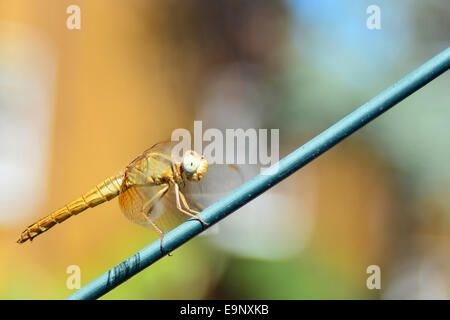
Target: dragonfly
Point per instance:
(156, 190)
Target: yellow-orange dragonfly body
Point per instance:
(154, 190)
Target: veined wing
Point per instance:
(156, 205)
(219, 180)
(138, 199)
(152, 163)
(146, 204)
(153, 205)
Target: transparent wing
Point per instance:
(218, 181)
(135, 200)
(142, 203)
(166, 214)
(152, 205)
(151, 162)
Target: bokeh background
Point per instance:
(78, 105)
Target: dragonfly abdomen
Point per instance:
(104, 191)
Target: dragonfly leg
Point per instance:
(161, 234)
(148, 208)
(186, 205)
(177, 198)
(198, 205)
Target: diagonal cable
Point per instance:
(261, 183)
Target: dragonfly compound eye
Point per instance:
(191, 162)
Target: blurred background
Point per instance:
(76, 106)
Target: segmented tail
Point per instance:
(104, 191)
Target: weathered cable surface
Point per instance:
(285, 167)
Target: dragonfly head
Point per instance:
(194, 165)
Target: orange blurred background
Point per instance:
(79, 105)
